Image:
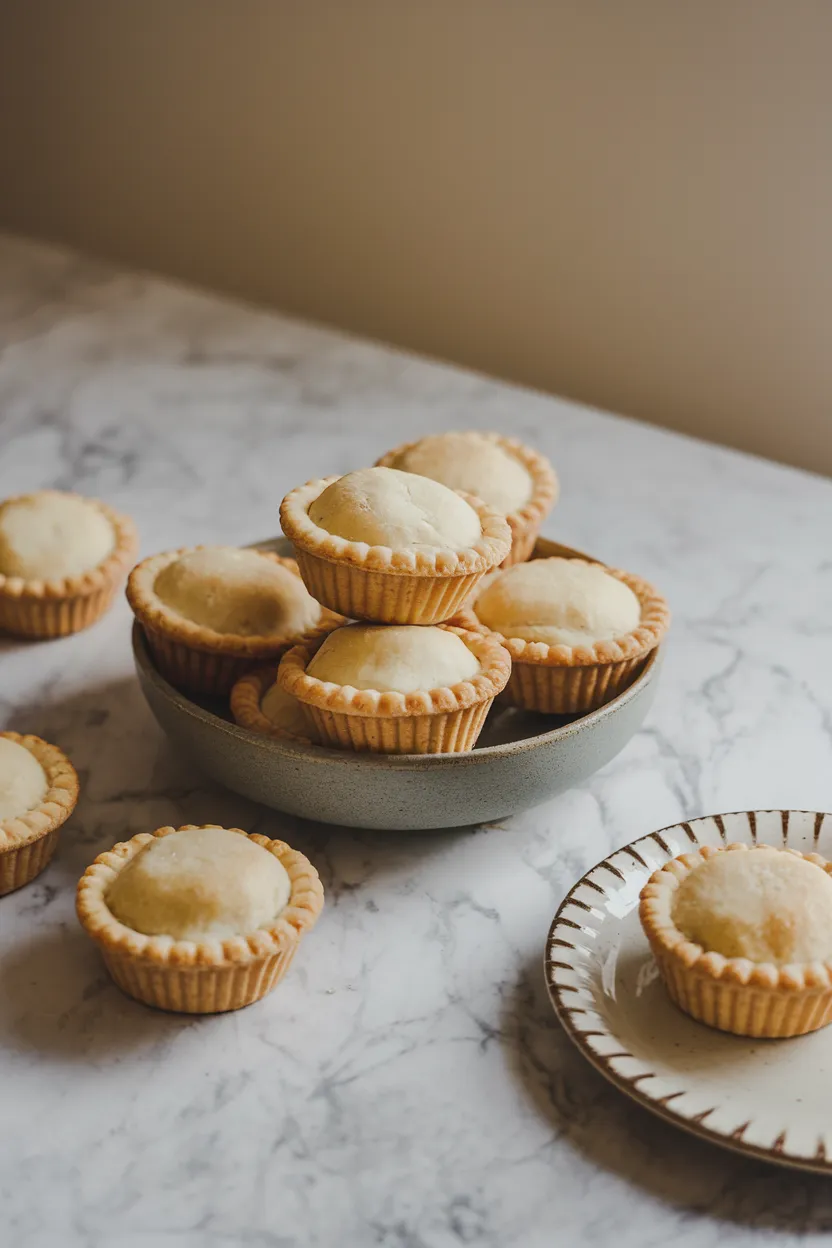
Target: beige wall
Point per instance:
(628, 201)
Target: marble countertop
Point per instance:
(408, 1085)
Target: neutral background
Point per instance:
(628, 202)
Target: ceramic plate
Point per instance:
(521, 759)
(769, 1098)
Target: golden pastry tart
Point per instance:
(210, 613)
(198, 919)
(398, 689)
(38, 793)
(512, 478)
(577, 632)
(62, 558)
(259, 704)
(384, 545)
(743, 938)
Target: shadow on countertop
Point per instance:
(59, 1002)
(626, 1140)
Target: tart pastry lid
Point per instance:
(111, 568)
(491, 548)
(655, 913)
(495, 668)
(545, 485)
(155, 615)
(58, 802)
(299, 915)
(655, 621)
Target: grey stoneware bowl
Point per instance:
(521, 759)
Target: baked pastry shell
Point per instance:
(571, 680)
(525, 522)
(198, 977)
(64, 605)
(198, 659)
(389, 586)
(246, 698)
(731, 994)
(28, 842)
(447, 720)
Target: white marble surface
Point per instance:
(408, 1085)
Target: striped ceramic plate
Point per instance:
(768, 1098)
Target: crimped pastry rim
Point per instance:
(155, 615)
(246, 697)
(655, 621)
(299, 915)
(95, 579)
(58, 802)
(655, 914)
(545, 484)
(346, 700)
(487, 552)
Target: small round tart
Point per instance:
(743, 937)
(62, 558)
(198, 919)
(577, 632)
(397, 690)
(512, 478)
(38, 793)
(391, 546)
(211, 612)
(259, 704)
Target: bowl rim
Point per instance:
(392, 762)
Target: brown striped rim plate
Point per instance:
(771, 1099)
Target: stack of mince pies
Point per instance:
(398, 553)
(434, 544)
(413, 602)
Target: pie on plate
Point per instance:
(743, 937)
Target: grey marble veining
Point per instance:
(408, 1085)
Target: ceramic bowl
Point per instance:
(521, 759)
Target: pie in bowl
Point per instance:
(398, 689)
(212, 613)
(259, 704)
(577, 632)
(514, 479)
(390, 546)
